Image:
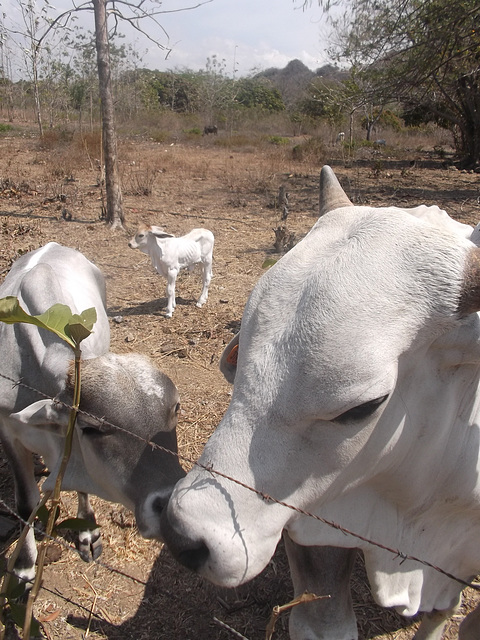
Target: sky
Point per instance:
(247, 34)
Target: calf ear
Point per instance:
(228, 361)
(158, 232)
(46, 414)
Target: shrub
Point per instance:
(194, 131)
(53, 138)
(312, 150)
(278, 140)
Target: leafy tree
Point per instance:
(134, 12)
(423, 53)
(253, 92)
(325, 100)
(215, 88)
(178, 91)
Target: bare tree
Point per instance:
(134, 13)
(6, 73)
(35, 29)
(114, 211)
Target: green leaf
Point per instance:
(16, 588)
(80, 326)
(269, 262)
(43, 514)
(77, 524)
(17, 612)
(70, 327)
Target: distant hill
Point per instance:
(293, 79)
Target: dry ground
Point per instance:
(232, 192)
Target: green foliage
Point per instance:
(269, 262)
(313, 149)
(160, 136)
(385, 118)
(278, 140)
(70, 327)
(257, 93)
(194, 131)
(18, 611)
(73, 329)
(325, 100)
(237, 140)
(5, 128)
(423, 55)
(76, 524)
(175, 91)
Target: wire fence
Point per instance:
(397, 553)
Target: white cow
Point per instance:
(356, 398)
(169, 254)
(128, 391)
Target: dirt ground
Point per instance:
(52, 193)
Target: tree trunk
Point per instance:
(468, 94)
(114, 206)
(36, 93)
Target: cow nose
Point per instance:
(194, 557)
(193, 554)
(159, 503)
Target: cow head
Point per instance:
(355, 375)
(126, 403)
(141, 238)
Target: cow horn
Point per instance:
(470, 295)
(332, 196)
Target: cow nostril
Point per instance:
(159, 503)
(194, 558)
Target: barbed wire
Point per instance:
(64, 544)
(397, 553)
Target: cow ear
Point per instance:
(228, 361)
(44, 414)
(470, 294)
(158, 232)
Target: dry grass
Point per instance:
(231, 190)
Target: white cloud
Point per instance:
(252, 34)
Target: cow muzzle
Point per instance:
(192, 554)
(148, 515)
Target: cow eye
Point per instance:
(95, 428)
(361, 411)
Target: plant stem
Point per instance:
(32, 596)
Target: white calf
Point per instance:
(170, 254)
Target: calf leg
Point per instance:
(206, 278)
(324, 571)
(89, 541)
(171, 278)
